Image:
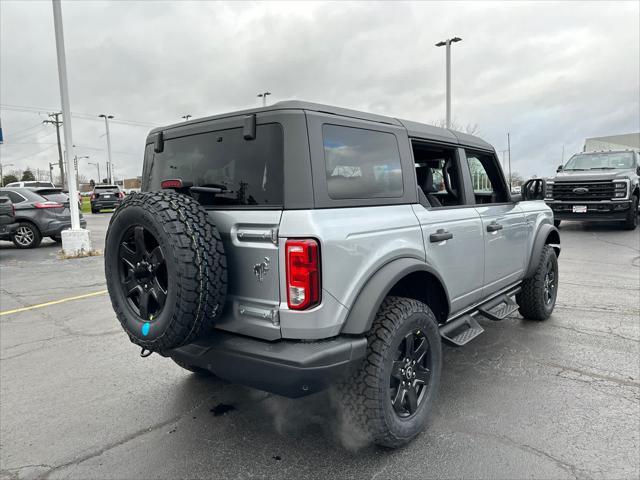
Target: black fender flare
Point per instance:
(364, 309)
(543, 233)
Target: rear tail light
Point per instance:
(13, 210)
(93, 196)
(303, 273)
(173, 183)
(120, 195)
(48, 204)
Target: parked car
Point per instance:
(597, 186)
(301, 246)
(30, 184)
(8, 223)
(105, 196)
(38, 215)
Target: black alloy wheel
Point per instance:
(410, 374)
(143, 272)
(550, 283)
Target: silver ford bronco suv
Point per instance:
(300, 246)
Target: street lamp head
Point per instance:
(456, 39)
(441, 44)
(102, 115)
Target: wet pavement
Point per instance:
(558, 399)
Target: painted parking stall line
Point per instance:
(54, 302)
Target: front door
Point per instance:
(503, 223)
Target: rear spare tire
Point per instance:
(166, 269)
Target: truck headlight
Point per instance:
(620, 189)
(548, 194)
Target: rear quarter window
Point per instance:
(361, 163)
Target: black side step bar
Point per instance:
(461, 330)
(499, 308)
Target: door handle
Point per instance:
(494, 227)
(440, 236)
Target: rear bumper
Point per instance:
(102, 204)
(286, 367)
(55, 228)
(8, 228)
(598, 211)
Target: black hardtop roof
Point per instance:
(414, 129)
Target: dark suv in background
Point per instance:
(597, 186)
(105, 196)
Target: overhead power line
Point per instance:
(84, 116)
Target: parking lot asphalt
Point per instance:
(557, 399)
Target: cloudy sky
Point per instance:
(550, 73)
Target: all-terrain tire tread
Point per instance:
(362, 403)
(531, 298)
(201, 280)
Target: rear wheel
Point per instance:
(631, 222)
(538, 295)
(27, 235)
(388, 399)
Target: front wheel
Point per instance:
(631, 222)
(538, 295)
(388, 399)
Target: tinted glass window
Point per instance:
(106, 188)
(15, 198)
(248, 172)
(361, 163)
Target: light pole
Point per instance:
(2, 174)
(263, 95)
(186, 117)
(97, 164)
(447, 43)
(75, 164)
(106, 124)
(76, 241)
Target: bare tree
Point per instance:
(470, 128)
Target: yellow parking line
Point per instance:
(55, 302)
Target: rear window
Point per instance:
(249, 172)
(361, 163)
(106, 188)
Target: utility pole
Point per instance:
(447, 43)
(57, 123)
(51, 172)
(509, 150)
(109, 164)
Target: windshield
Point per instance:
(600, 161)
(245, 172)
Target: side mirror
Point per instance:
(559, 169)
(534, 189)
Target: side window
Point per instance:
(488, 184)
(361, 163)
(437, 175)
(15, 198)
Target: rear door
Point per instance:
(452, 228)
(247, 211)
(503, 222)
